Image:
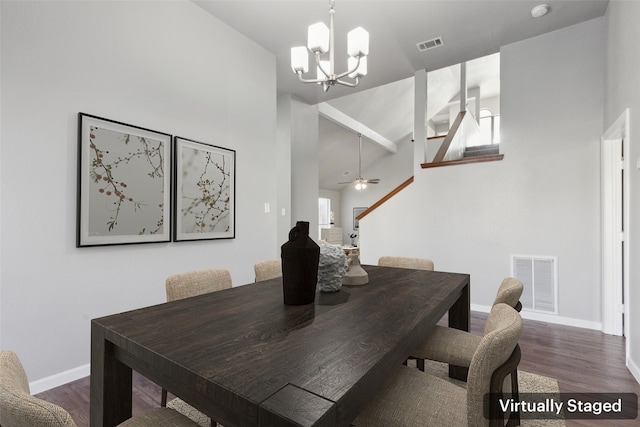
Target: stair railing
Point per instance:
(385, 198)
(464, 133)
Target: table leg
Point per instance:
(459, 314)
(111, 383)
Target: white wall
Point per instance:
(621, 92)
(160, 65)
(298, 129)
(392, 170)
(283, 171)
(542, 199)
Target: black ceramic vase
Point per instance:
(300, 256)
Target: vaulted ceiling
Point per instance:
(383, 101)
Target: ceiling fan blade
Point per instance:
(371, 181)
(348, 182)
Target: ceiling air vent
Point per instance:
(430, 44)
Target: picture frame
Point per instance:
(356, 213)
(204, 199)
(124, 183)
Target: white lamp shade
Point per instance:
(358, 42)
(299, 59)
(362, 68)
(318, 38)
(325, 66)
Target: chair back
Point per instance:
(509, 292)
(197, 282)
(406, 262)
(269, 269)
(502, 332)
(18, 408)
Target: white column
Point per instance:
(463, 86)
(419, 120)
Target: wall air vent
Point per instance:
(539, 275)
(430, 44)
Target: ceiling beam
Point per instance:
(331, 113)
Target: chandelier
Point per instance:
(320, 41)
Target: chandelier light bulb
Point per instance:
(299, 59)
(358, 42)
(318, 38)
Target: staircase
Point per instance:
(481, 150)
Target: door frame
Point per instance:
(615, 216)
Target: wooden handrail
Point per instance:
(385, 198)
(463, 161)
(439, 157)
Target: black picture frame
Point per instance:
(124, 183)
(204, 185)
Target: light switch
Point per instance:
(283, 212)
(267, 207)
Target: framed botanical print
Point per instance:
(204, 191)
(124, 183)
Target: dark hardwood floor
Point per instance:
(582, 360)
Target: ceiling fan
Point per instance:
(360, 182)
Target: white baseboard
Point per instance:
(635, 370)
(549, 318)
(56, 380)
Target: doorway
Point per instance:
(614, 190)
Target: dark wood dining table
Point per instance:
(245, 358)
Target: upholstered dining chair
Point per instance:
(414, 398)
(457, 347)
(185, 285)
(192, 283)
(406, 262)
(269, 269)
(18, 408)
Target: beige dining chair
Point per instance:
(192, 283)
(269, 269)
(414, 398)
(18, 408)
(185, 285)
(457, 347)
(406, 262)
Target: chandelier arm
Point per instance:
(303, 80)
(319, 65)
(349, 84)
(346, 73)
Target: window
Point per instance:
(489, 127)
(324, 214)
